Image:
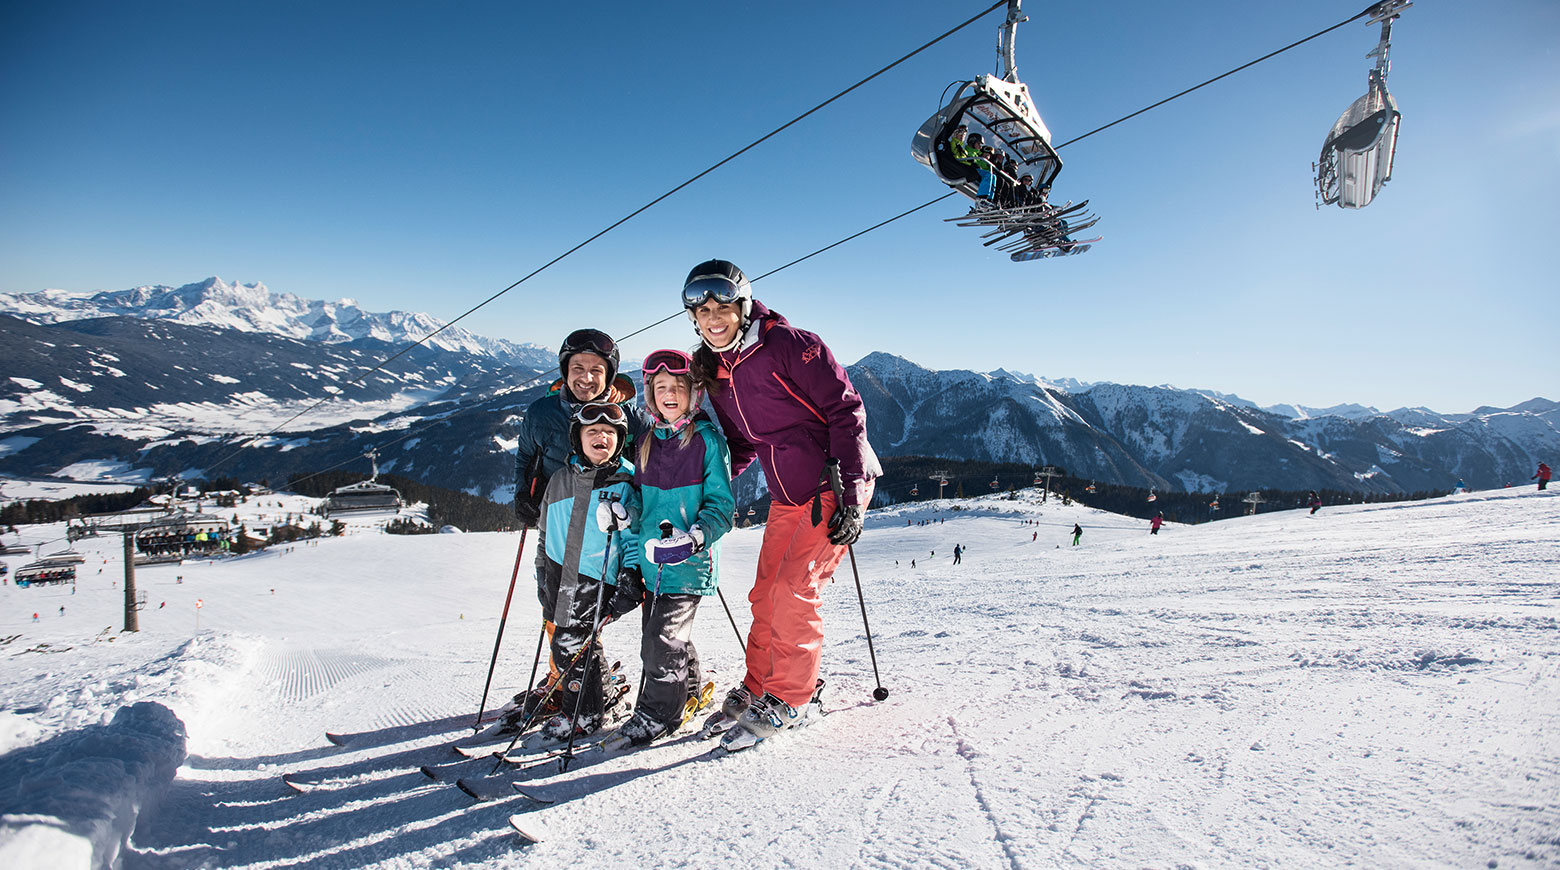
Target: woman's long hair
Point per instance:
(706, 366)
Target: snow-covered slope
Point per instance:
(1373, 686)
(256, 308)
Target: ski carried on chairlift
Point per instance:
(1357, 156)
(989, 143)
(1069, 250)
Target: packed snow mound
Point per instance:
(73, 800)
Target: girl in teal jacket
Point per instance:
(683, 476)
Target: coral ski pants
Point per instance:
(795, 562)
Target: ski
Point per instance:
(538, 793)
(737, 740)
(1077, 247)
(338, 739)
(530, 829)
(480, 750)
(298, 785)
(717, 724)
(478, 789)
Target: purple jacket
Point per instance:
(785, 401)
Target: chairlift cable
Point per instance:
(808, 257)
(1220, 76)
(1058, 147)
(830, 246)
(630, 216)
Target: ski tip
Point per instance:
(293, 783)
(532, 793)
(429, 772)
(338, 739)
(470, 790)
(530, 829)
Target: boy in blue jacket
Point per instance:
(584, 553)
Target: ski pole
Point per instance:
(498, 641)
(880, 693)
(579, 696)
(551, 690)
(741, 644)
(666, 532)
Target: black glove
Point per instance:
(845, 525)
(529, 512)
(630, 594)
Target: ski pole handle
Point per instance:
(666, 529)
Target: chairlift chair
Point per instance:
(1356, 159)
(1001, 109)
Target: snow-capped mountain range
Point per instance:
(256, 308)
(1195, 440)
(158, 381)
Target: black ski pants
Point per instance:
(671, 664)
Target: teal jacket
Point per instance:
(572, 544)
(687, 484)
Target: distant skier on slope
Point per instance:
(577, 562)
(1156, 522)
(958, 553)
(1315, 501)
(683, 474)
(1077, 534)
(783, 400)
(1542, 476)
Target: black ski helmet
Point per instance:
(727, 270)
(589, 341)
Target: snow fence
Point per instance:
(72, 801)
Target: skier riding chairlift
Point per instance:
(1001, 113)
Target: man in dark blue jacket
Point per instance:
(588, 372)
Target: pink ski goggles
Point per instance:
(673, 361)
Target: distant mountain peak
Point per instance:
(254, 307)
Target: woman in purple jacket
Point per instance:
(782, 399)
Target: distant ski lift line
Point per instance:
(224, 460)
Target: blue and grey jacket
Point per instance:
(572, 544)
(687, 484)
(542, 441)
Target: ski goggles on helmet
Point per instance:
(589, 341)
(716, 287)
(600, 412)
(673, 361)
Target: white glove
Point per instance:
(611, 516)
(679, 547)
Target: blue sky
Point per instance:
(423, 158)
